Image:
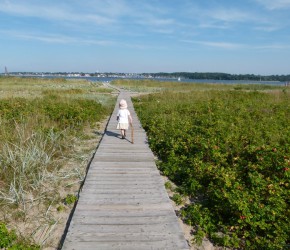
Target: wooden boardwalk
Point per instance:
(123, 203)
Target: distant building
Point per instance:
(6, 72)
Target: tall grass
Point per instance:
(32, 146)
(26, 164)
(43, 155)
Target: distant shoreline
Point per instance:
(163, 75)
(182, 80)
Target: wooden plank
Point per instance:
(124, 188)
(150, 229)
(124, 158)
(121, 165)
(123, 213)
(124, 237)
(149, 178)
(109, 201)
(126, 152)
(123, 220)
(132, 245)
(128, 171)
(128, 164)
(144, 184)
(124, 177)
(123, 193)
(124, 180)
(118, 192)
(159, 206)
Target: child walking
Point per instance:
(123, 118)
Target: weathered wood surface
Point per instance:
(123, 203)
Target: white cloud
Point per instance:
(105, 8)
(268, 28)
(230, 15)
(223, 45)
(274, 4)
(55, 38)
(209, 25)
(154, 22)
(273, 46)
(164, 31)
(217, 17)
(235, 46)
(110, 15)
(52, 13)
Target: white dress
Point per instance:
(123, 121)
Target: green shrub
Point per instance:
(65, 112)
(70, 199)
(9, 240)
(74, 113)
(177, 199)
(228, 150)
(168, 185)
(14, 109)
(6, 237)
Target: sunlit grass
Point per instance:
(157, 86)
(26, 165)
(48, 135)
(32, 87)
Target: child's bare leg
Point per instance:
(123, 133)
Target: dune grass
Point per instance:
(153, 86)
(46, 125)
(32, 87)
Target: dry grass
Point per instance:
(43, 162)
(37, 87)
(152, 86)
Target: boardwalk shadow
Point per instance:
(117, 135)
(110, 133)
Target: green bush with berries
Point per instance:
(229, 151)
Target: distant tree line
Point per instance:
(221, 76)
(187, 75)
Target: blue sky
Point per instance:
(230, 36)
